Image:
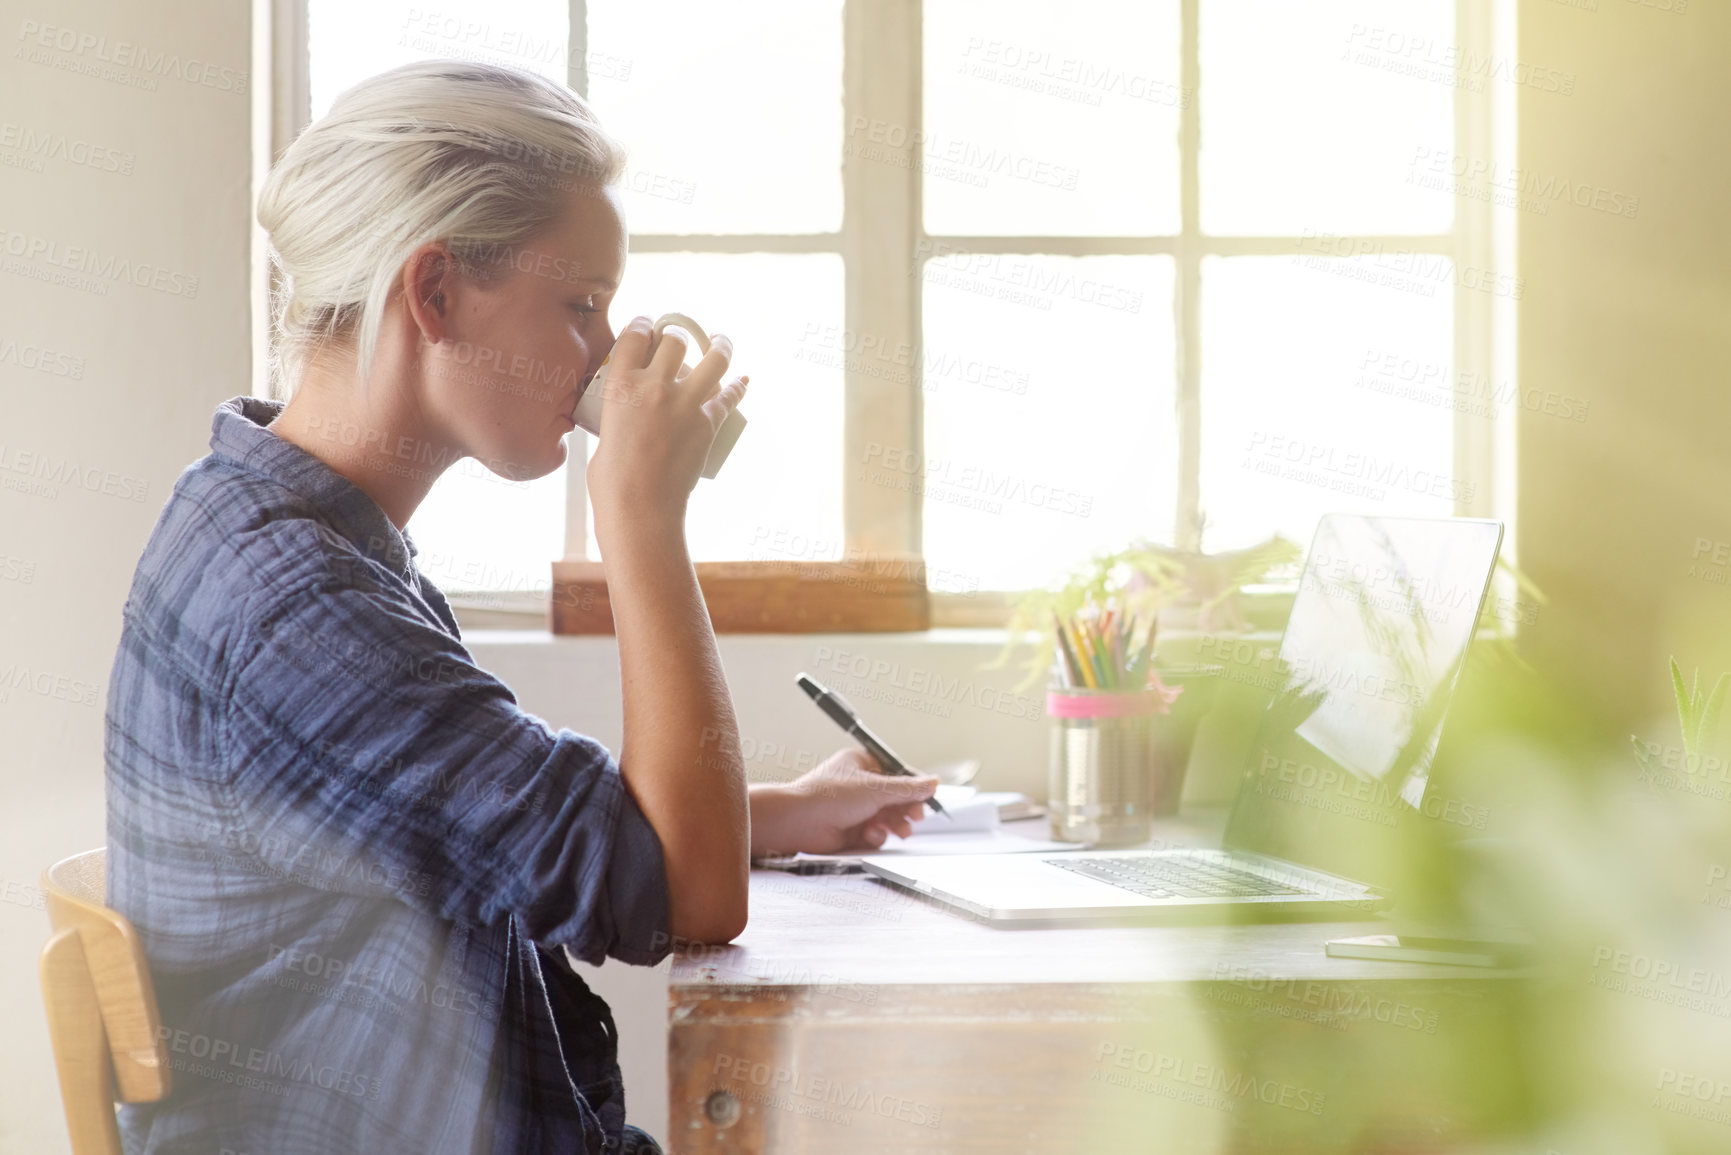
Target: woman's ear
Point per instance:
(427, 284)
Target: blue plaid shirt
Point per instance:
(351, 856)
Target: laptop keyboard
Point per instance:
(1176, 876)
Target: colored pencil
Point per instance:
(1072, 668)
(1078, 647)
(1098, 648)
(1145, 662)
(1092, 642)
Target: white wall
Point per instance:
(1623, 517)
(152, 366)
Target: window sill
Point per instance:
(1265, 609)
(992, 638)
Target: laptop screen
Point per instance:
(1385, 610)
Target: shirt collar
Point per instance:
(238, 435)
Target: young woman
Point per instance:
(355, 863)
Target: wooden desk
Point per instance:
(855, 1017)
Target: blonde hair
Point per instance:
(476, 155)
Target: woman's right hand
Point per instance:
(659, 422)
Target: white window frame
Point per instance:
(883, 62)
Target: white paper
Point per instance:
(1005, 838)
(965, 809)
(997, 841)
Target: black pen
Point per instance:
(842, 715)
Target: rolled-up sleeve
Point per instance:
(637, 889)
(368, 754)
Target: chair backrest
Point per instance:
(102, 1013)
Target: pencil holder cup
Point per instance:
(1102, 764)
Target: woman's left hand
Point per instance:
(846, 803)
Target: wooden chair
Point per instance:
(102, 1014)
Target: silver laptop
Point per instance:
(1385, 611)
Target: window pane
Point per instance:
(1321, 115)
(349, 40)
(476, 531)
(1324, 391)
(1049, 414)
(782, 482)
(1044, 119)
(731, 112)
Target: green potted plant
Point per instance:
(1697, 718)
(1150, 583)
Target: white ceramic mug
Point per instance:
(588, 412)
